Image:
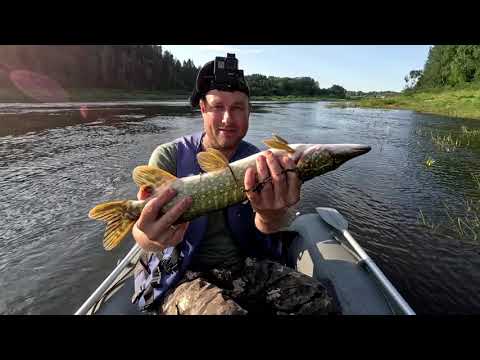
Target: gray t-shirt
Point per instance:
(218, 248)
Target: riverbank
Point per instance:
(125, 95)
(460, 103)
(295, 98)
(93, 95)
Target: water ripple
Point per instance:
(53, 169)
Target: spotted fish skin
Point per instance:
(220, 187)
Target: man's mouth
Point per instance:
(226, 130)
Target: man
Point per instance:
(231, 261)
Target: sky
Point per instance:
(354, 67)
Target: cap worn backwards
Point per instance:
(214, 76)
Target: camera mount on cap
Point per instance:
(225, 71)
(221, 74)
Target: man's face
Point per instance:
(225, 118)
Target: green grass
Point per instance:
(454, 102)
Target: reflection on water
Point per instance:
(59, 160)
(18, 118)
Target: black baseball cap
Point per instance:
(207, 80)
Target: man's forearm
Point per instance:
(273, 222)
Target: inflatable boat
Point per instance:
(322, 248)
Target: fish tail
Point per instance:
(119, 219)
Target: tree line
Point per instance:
(135, 67)
(447, 65)
(145, 67)
(261, 85)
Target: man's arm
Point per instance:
(165, 157)
(154, 233)
(276, 223)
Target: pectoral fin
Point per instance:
(151, 176)
(212, 160)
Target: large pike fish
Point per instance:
(221, 185)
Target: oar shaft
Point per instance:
(379, 275)
(97, 294)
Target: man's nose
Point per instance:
(227, 118)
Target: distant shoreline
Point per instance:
(459, 103)
(294, 98)
(95, 95)
(102, 95)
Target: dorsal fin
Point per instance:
(212, 160)
(276, 142)
(152, 176)
(279, 139)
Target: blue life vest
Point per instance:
(151, 285)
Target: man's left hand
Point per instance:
(277, 195)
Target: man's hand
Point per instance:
(277, 195)
(154, 233)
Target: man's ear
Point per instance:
(202, 106)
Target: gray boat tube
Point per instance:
(316, 250)
(361, 287)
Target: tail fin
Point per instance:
(119, 221)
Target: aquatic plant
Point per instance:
(423, 221)
(447, 143)
(466, 227)
(429, 162)
(476, 179)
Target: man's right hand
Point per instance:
(154, 233)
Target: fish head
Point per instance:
(317, 159)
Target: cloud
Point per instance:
(230, 49)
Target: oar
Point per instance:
(337, 221)
(97, 294)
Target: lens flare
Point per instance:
(38, 86)
(84, 111)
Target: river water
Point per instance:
(57, 161)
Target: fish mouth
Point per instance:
(343, 152)
(358, 150)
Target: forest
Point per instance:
(135, 67)
(447, 66)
